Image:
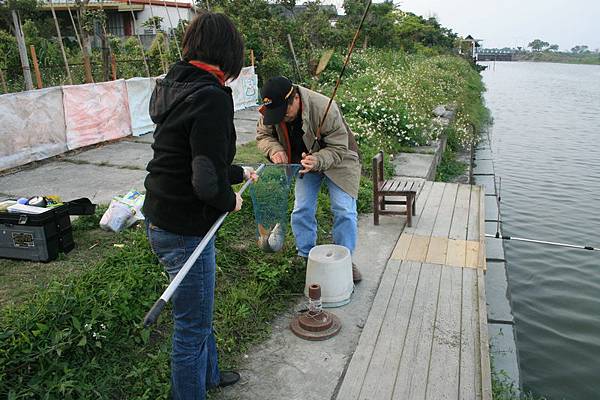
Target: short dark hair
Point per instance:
(214, 39)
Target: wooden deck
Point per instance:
(426, 334)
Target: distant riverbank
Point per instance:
(566, 58)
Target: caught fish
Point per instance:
(271, 240)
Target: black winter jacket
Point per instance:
(189, 182)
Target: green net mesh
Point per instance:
(270, 202)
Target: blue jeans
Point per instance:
(304, 221)
(194, 366)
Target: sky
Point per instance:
(513, 23)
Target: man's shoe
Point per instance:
(356, 275)
(228, 378)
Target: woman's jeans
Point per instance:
(194, 357)
(304, 221)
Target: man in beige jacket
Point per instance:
(287, 133)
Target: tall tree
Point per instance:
(538, 45)
(580, 49)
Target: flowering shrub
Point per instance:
(388, 97)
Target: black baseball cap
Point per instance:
(275, 94)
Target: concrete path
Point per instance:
(102, 171)
(287, 367)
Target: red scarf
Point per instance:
(216, 72)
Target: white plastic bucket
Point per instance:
(330, 266)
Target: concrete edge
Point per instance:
(503, 347)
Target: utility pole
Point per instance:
(22, 51)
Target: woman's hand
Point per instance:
(250, 173)
(238, 202)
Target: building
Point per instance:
(473, 46)
(126, 18)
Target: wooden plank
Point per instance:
(401, 248)
(361, 358)
(421, 200)
(472, 254)
(456, 253)
(397, 345)
(474, 214)
(486, 373)
(436, 252)
(414, 364)
(482, 256)
(429, 214)
(381, 374)
(470, 359)
(458, 229)
(418, 248)
(444, 367)
(446, 211)
(386, 186)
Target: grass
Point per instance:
(75, 330)
(20, 279)
(449, 167)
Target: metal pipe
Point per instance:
(573, 246)
(156, 309)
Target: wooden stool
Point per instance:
(392, 187)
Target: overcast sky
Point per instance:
(512, 23)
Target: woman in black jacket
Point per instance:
(189, 186)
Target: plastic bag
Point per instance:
(123, 212)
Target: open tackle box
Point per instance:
(40, 237)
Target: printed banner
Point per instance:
(32, 126)
(139, 91)
(96, 112)
(245, 89)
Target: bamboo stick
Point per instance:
(158, 43)
(36, 67)
(60, 42)
(22, 51)
(113, 64)
(294, 55)
(252, 57)
(86, 61)
(4, 87)
(171, 23)
(139, 39)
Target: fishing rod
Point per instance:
(503, 237)
(498, 236)
(339, 80)
(158, 306)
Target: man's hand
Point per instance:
(279, 158)
(309, 162)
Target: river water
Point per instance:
(546, 146)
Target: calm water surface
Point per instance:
(546, 144)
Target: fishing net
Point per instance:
(270, 196)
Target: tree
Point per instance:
(580, 49)
(538, 45)
(553, 47)
(153, 23)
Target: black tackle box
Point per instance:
(36, 237)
